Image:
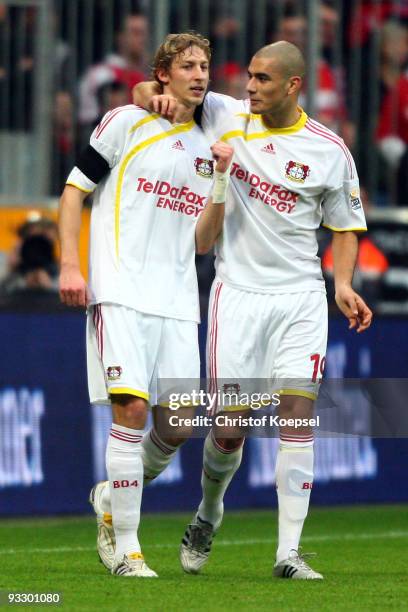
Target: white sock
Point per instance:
(294, 478)
(105, 499)
(156, 455)
(125, 472)
(219, 466)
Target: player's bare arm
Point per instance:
(149, 95)
(211, 219)
(72, 285)
(351, 304)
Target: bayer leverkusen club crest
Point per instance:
(114, 372)
(204, 167)
(295, 171)
(231, 388)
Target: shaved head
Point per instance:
(288, 57)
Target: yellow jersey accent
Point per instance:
(107, 518)
(184, 127)
(298, 392)
(249, 116)
(141, 122)
(292, 129)
(79, 187)
(349, 229)
(244, 135)
(128, 391)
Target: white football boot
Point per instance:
(196, 545)
(295, 567)
(133, 565)
(105, 540)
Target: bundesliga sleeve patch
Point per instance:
(354, 198)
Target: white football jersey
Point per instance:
(144, 213)
(284, 184)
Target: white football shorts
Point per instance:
(265, 343)
(134, 353)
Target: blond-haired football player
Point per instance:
(155, 204)
(268, 309)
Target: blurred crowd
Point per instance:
(361, 76)
(361, 73)
(30, 275)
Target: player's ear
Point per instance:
(163, 76)
(294, 84)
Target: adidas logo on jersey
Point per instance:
(178, 145)
(269, 149)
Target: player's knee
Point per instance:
(292, 406)
(129, 411)
(230, 444)
(173, 427)
(176, 441)
(175, 436)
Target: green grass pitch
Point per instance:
(362, 552)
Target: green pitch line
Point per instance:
(361, 553)
(329, 537)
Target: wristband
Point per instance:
(219, 190)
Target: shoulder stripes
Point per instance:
(320, 130)
(111, 115)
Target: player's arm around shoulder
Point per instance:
(351, 304)
(209, 224)
(149, 95)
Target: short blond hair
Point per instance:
(173, 45)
